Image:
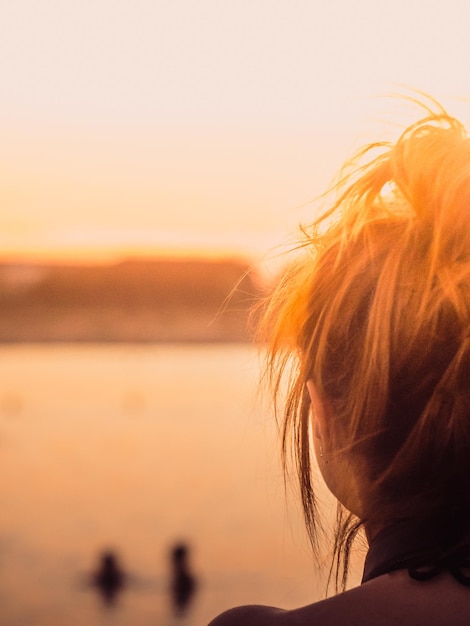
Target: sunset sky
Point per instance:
(203, 126)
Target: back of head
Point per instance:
(377, 313)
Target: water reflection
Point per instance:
(81, 475)
(11, 404)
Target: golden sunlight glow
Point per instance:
(183, 128)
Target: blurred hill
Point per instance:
(134, 300)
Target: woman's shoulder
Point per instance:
(258, 615)
(385, 601)
(326, 612)
(249, 615)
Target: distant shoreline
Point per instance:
(149, 342)
(136, 301)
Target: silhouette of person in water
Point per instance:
(183, 583)
(109, 579)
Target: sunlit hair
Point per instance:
(376, 311)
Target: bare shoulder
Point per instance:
(389, 600)
(250, 615)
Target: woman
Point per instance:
(372, 325)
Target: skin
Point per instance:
(389, 600)
(338, 470)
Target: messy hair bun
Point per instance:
(376, 311)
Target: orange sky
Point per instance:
(183, 126)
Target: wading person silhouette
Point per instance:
(370, 327)
(183, 583)
(109, 579)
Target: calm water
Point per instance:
(134, 448)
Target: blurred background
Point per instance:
(156, 159)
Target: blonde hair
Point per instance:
(376, 311)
